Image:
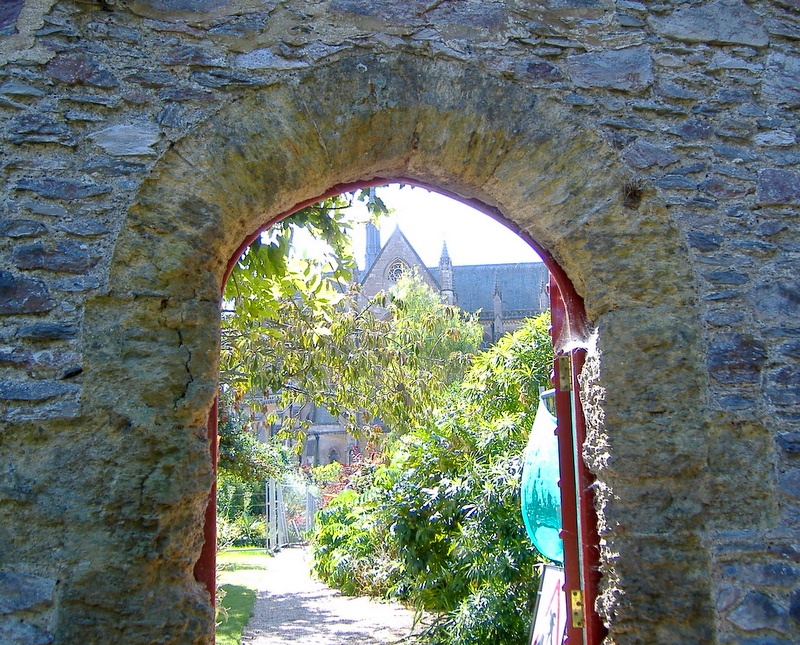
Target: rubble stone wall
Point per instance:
(650, 148)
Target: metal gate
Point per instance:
(290, 510)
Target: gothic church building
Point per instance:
(502, 295)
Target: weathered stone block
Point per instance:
(67, 256)
(21, 228)
(720, 189)
(676, 182)
(20, 591)
(266, 59)
(244, 26)
(781, 82)
(9, 11)
(20, 295)
(225, 78)
(172, 116)
(14, 357)
(50, 209)
(47, 331)
(789, 482)
(194, 56)
(166, 374)
(789, 442)
(644, 155)
(630, 69)
(778, 186)
(77, 284)
(776, 300)
(152, 78)
(694, 129)
(62, 188)
(82, 227)
(127, 140)
(720, 21)
(80, 69)
(40, 128)
(725, 61)
(759, 611)
(483, 14)
(35, 390)
(767, 575)
(727, 277)
(776, 138)
(185, 5)
(704, 241)
(736, 358)
(114, 166)
(382, 9)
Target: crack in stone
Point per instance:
(320, 138)
(186, 367)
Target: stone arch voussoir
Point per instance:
(531, 160)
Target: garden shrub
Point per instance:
(439, 524)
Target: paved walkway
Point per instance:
(292, 607)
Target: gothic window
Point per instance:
(396, 270)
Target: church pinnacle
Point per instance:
(373, 244)
(446, 275)
(445, 257)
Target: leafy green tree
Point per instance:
(271, 296)
(300, 327)
(268, 284)
(363, 361)
(242, 456)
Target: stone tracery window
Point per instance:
(396, 270)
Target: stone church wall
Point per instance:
(649, 148)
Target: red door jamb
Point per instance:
(205, 569)
(566, 458)
(579, 519)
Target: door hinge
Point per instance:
(576, 608)
(565, 373)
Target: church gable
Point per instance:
(396, 256)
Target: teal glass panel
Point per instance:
(541, 497)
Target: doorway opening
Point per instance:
(569, 330)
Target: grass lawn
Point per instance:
(239, 573)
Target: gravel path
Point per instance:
(292, 607)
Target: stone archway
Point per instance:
(152, 341)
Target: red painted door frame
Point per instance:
(579, 519)
(205, 569)
(581, 543)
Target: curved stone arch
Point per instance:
(152, 348)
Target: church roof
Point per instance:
(519, 284)
(474, 285)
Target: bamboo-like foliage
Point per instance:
(439, 524)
